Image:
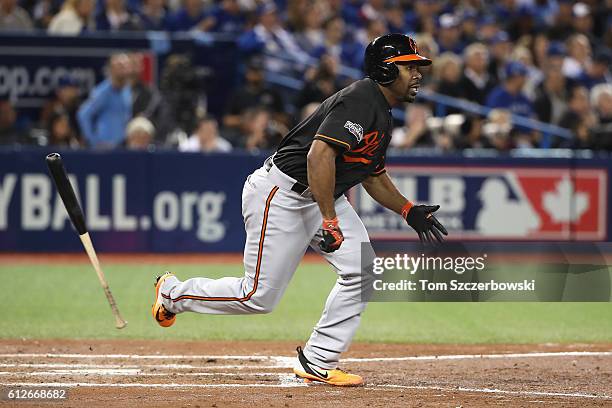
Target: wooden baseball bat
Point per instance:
(58, 173)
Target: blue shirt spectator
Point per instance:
(104, 116)
(153, 15)
(270, 38)
(190, 16)
(227, 17)
(509, 95)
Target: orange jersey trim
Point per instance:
(262, 237)
(351, 159)
(348, 146)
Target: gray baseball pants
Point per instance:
(280, 225)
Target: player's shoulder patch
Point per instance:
(355, 129)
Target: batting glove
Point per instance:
(421, 218)
(332, 236)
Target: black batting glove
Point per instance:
(426, 225)
(332, 236)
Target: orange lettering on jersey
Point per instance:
(361, 154)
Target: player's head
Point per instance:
(392, 60)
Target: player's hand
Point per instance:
(332, 236)
(426, 225)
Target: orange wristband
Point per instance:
(406, 209)
(330, 224)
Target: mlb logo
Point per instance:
(493, 203)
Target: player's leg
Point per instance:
(335, 330)
(277, 238)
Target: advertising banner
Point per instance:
(500, 202)
(190, 202)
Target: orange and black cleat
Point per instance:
(310, 373)
(161, 315)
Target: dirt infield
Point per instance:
(257, 374)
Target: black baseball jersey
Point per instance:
(357, 121)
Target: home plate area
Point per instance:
(230, 374)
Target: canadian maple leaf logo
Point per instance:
(565, 204)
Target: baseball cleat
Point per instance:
(305, 370)
(161, 315)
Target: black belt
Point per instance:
(297, 187)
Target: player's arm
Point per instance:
(321, 165)
(420, 217)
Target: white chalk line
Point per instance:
(144, 385)
(288, 361)
(167, 366)
(130, 372)
(491, 391)
(291, 383)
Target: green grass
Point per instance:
(66, 301)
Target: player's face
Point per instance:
(406, 86)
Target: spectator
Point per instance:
(206, 138)
(373, 29)
(372, 10)
(139, 134)
(449, 34)
(523, 22)
(447, 73)
(42, 13)
(74, 18)
(497, 130)
(60, 133)
(13, 17)
(145, 98)
(427, 48)
(534, 75)
(601, 100)
(583, 21)
(579, 119)
(190, 17)
(320, 82)
(259, 131)
(254, 93)
(476, 83)
(10, 133)
(550, 103)
(104, 116)
(562, 26)
(181, 98)
(488, 28)
(227, 17)
(422, 18)
(598, 71)
(415, 131)
(509, 94)
(116, 17)
(469, 26)
(336, 45)
(540, 45)
(500, 48)
(153, 16)
(66, 103)
(309, 34)
(579, 55)
(270, 38)
(396, 19)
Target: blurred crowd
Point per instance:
(547, 60)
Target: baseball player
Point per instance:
(297, 200)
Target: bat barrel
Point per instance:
(58, 173)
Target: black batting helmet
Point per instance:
(383, 52)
